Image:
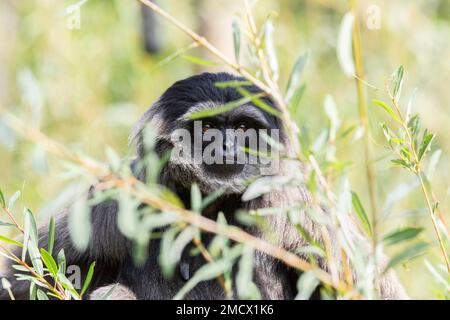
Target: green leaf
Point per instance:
(41, 295)
(245, 287)
(2, 199)
(295, 76)
(296, 99)
(33, 291)
(397, 78)
(270, 48)
(49, 262)
(6, 224)
(51, 235)
(211, 198)
(31, 222)
(200, 61)
(219, 109)
(196, 198)
(344, 44)
(10, 241)
(165, 261)
(257, 101)
(402, 163)
(89, 276)
(13, 199)
(232, 84)
(80, 223)
(361, 213)
(434, 159)
(387, 109)
(402, 235)
(210, 271)
(407, 254)
(426, 143)
(62, 261)
(35, 257)
(236, 40)
(306, 285)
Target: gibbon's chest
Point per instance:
(149, 283)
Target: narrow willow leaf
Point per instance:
(196, 198)
(33, 291)
(218, 110)
(236, 40)
(31, 221)
(263, 185)
(402, 235)
(297, 98)
(200, 61)
(165, 261)
(397, 79)
(232, 84)
(434, 159)
(437, 275)
(113, 158)
(306, 285)
(13, 200)
(88, 280)
(407, 254)
(62, 261)
(127, 218)
(270, 49)
(51, 235)
(49, 262)
(2, 199)
(426, 144)
(7, 136)
(35, 257)
(210, 271)
(211, 198)
(41, 295)
(39, 159)
(175, 55)
(245, 286)
(401, 163)
(10, 241)
(257, 101)
(344, 45)
(80, 223)
(183, 239)
(295, 76)
(361, 213)
(6, 224)
(387, 109)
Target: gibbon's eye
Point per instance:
(242, 126)
(206, 126)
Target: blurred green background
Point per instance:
(86, 86)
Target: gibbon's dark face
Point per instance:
(214, 150)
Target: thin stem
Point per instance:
(140, 191)
(418, 172)
(60, 294)
(364, 120)
(11, 216)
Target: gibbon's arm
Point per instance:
(107, 247)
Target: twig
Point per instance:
(417, 170)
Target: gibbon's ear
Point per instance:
(112, 292)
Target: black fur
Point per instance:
(112, 251)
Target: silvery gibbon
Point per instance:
(112, 251)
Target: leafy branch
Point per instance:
(410, 147)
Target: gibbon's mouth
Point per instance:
(225, 170)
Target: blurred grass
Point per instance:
(95, 82)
